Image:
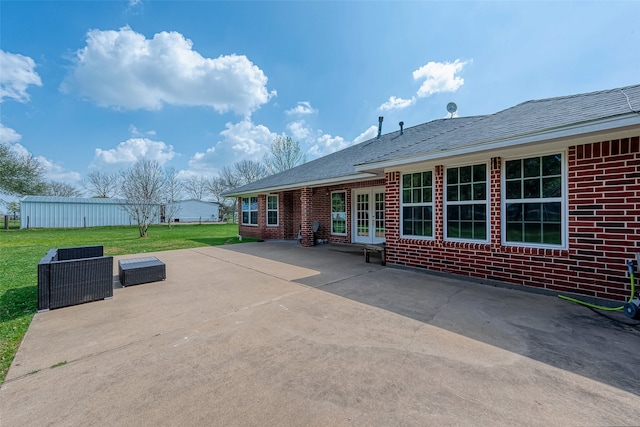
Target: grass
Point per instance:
(21, 250)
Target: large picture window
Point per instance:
(339, 213)
(533, 206)
(272, 210)
(417, 204)
(466, 202)
(250, 210)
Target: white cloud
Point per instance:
(303, 108)
(367, 134)
(242, 140)
(125, 69)
(18, 72)
(319, 143)
(135, 132)
(8, 135)
(439, 77)
(395, 103)
(58, 173)
(132, 150)
(299, 130)
(327, 144)
(248, 139)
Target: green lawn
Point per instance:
(21, 250)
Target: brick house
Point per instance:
(543, 194)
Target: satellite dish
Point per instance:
(452, 108)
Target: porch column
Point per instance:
(306, 203)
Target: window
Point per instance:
(533, 208)
(339, 213)
(466, 202)
(250, 210)
(417, 204)
(272, 210)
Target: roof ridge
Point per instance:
(576, 95)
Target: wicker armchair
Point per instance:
(71, 276)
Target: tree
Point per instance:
(284, 154)
(20, 174)
(13, 209)
(248, 171)
(61, 189)
(102, 184)
(216, 186)
(172, 192)
(195, 187)
(142, 186)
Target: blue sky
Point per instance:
(198, 85)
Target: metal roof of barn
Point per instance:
(85, 200)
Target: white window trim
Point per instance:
(344, 192)
(487, 202)
(276, 210)
(563, 200)
(432, 204)
(242, 211)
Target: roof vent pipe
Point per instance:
(380, 119)
(401, 126)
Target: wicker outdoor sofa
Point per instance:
(70, 276)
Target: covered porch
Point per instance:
(346, 213)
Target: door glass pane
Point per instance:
(379, 215)
(362, 215)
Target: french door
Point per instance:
(368, 215)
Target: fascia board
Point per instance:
(314, 183)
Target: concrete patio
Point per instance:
(275, 334)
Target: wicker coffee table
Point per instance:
(135, 271)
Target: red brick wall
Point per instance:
(603, 226)
(603, 221)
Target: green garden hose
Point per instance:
(599, 307)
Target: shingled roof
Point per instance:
(528, 121)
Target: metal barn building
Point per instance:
(72, 212)
(194, 210)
